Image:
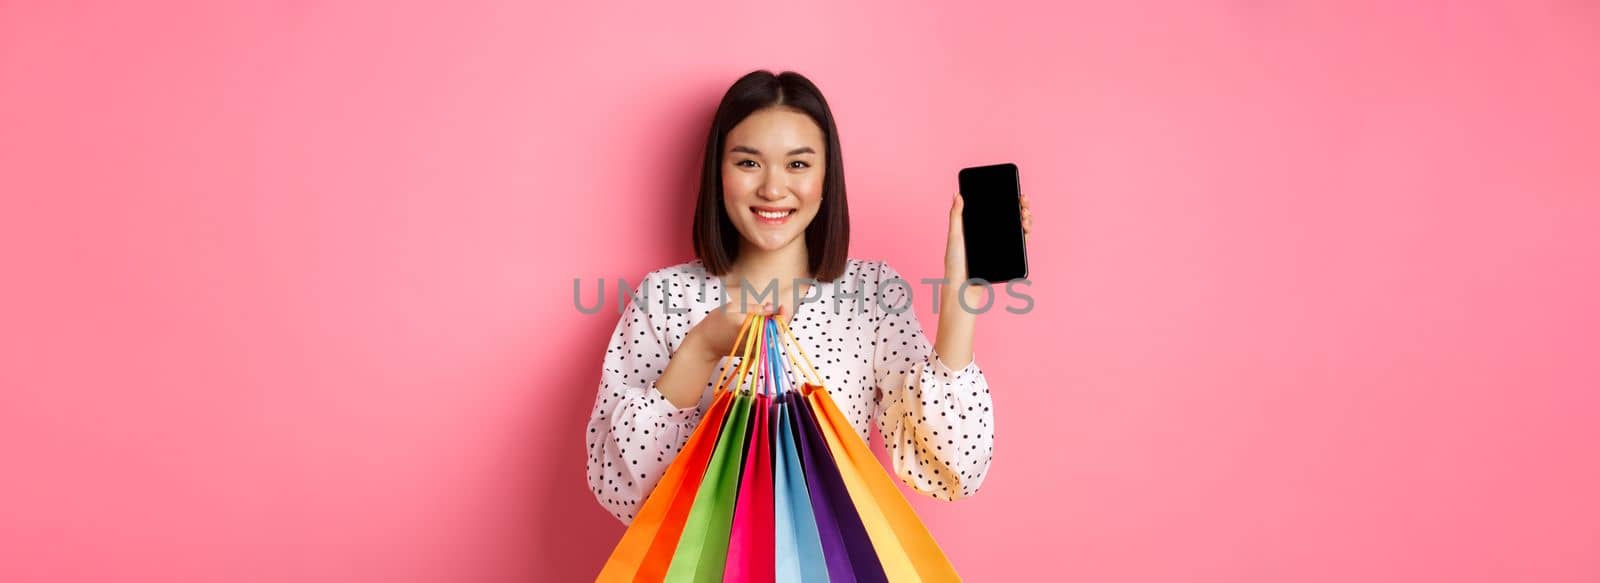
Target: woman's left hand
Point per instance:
(955, 249)
(957, 323)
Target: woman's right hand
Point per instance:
(689, 371)
(714, 336)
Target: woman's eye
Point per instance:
(745, 163)
(799, 164)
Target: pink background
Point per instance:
(289, 287)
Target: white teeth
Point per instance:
(773, 214)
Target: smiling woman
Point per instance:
(772, 221)
(772, 166)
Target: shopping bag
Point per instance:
(703, 548)
(647, 547)
(702, 551)
(902, 544)
(845, 544)
(752, 543)
(750, 540)
(776, 485)
(904, 547)
(798, 554)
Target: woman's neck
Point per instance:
(760, 267)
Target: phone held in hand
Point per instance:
(991, 217)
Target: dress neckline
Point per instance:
(713, 297)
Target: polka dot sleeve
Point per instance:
(634, 431)
(937, 422)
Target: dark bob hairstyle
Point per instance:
(716, 241)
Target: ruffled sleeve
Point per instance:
(937, 422)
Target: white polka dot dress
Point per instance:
(866, 343)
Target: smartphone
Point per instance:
(992, 219)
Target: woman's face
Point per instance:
(772, 171)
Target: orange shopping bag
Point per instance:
(646, 549)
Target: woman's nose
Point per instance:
(773, 188)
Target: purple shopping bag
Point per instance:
(845, 544)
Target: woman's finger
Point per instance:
(1027, 215)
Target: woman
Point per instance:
(772, 216)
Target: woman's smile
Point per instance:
(772, 215)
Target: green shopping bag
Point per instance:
(702, 551)
(703, 547)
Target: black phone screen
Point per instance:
(992, 220)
